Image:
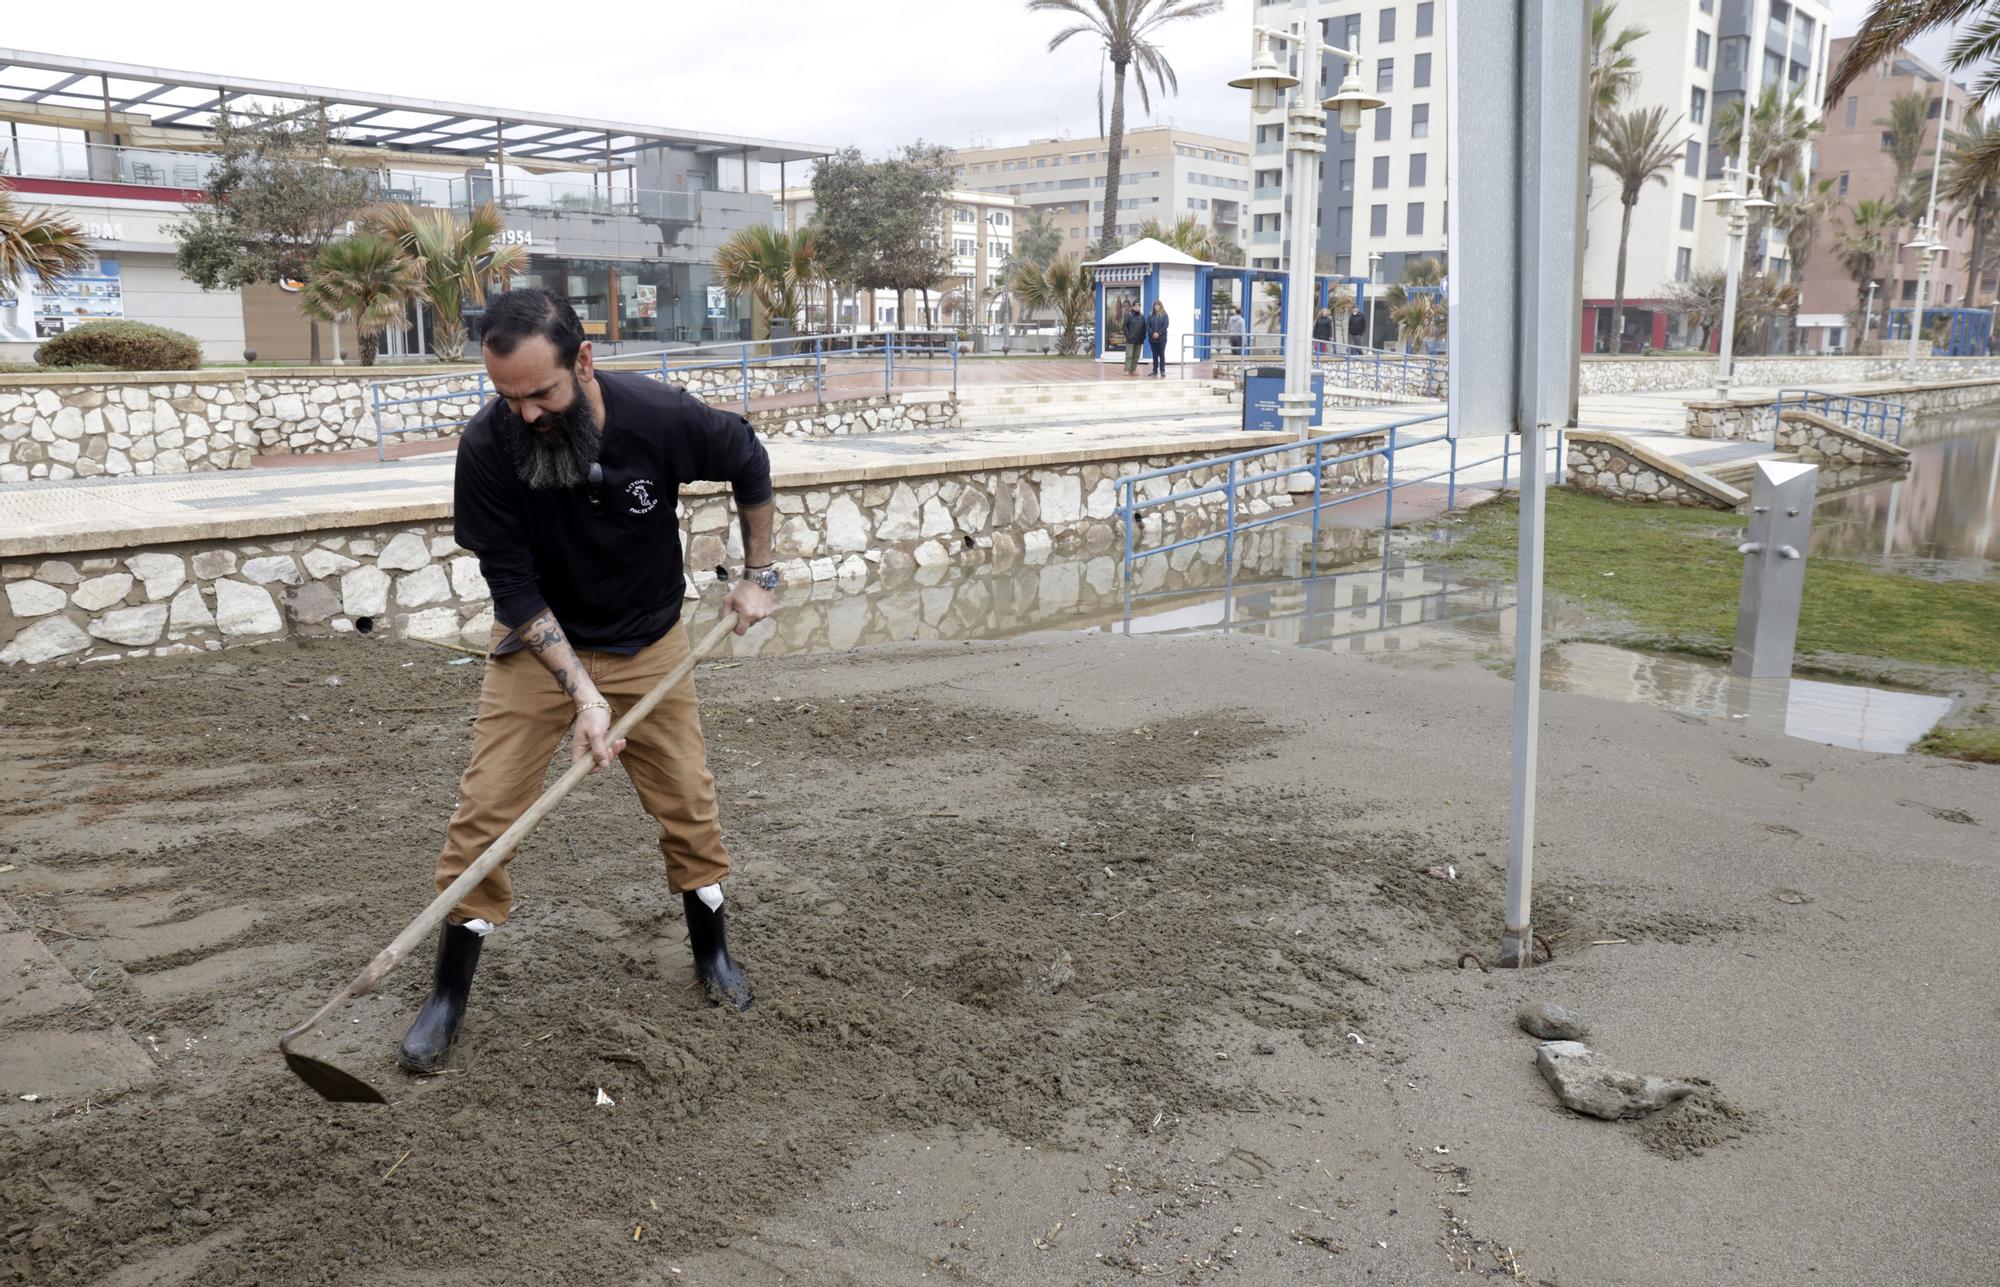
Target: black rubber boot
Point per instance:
(718, 973)
(429, 1039)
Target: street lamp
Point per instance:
(1305, 134)
(1374, 262)
(1868, 317)
(1925, 246)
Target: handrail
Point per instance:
(1878, 416)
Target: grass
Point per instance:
(1979, 745)
(1674, 575)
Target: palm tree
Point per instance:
(1869, 235)
(1126, 29)
(365, 278)
(1613, 68)
(1971, 181)
(1419, 314)
(1779, 132)
(1638, 147)
(1891, 24)
(779, 270)
(456, 259)
(1187, 235)
(39, 245)
(1903, 140)
(1063, 288)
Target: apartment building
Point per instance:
(1382, 189)
(1852, 151)
(978, 229)
(1696, 58)
(1165, 173)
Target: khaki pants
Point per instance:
(1131, 358)
(523, 716)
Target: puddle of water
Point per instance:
(1850, 715)
(1943, 519)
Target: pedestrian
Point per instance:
(1323, 332)
(1239, 330)
(1135, 336)
(566, 489)
(1357, 330)
(1156, 336)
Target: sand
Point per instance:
(1264, 1066)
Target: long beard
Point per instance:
(558, 456)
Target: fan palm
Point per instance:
(1063, 288)
(779, 270)
(39, 245)
(1870, 232)
(1801, 212)
(457, 260)
(365, 278)
(1187, 235)
(1419, 313)
(1892, 24)
(1613, 68)
(1779, 132)
(1125, 29)
(1971, 181)
(1638, 147)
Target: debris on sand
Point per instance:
(1551, 1022)
(1585, 1082)
(604, 1100)
(1051, 981)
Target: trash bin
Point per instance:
(1261, 387)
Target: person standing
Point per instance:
(1323, 332)
(1156, 337)
(566, 489)
(1134, 332)
(1239, 330)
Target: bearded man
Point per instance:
(566, 490)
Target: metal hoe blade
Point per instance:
(332, 1083)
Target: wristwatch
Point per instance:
(766, 577)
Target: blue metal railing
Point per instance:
(380, 401)
(1877, 416)
(1340, 362)
(1316, 461)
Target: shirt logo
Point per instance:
(640, 490)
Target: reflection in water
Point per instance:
(1865, 719)
(1943, 518)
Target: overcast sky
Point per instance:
(870, 72)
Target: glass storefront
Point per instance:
(649, 303)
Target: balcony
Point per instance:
(186, 171)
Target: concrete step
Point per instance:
(1740, 473)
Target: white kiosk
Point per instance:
(1145, 271)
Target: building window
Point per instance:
(1853, 106)
(1385, 74)
(1697, 105)
(1426, 13)
(1843, 183)
(1381, 177)
(1419, 168)
(1701, 49)
(1888, 140)
(1694, 159)
(1931, 112)
(1347, 175)
(1420, 72)
(1383, 117)
(1413, 219)
(1683, 263)
(1385, 27)
(1420, 121)
(1378, 221)
(1343, 225)
(1708, 6)
(1687, 211)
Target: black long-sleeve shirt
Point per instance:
(611, 571)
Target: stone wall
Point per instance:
(1611, 464)
(919, 409)
(1845, 456)
(412, 580)
(1743, 418)
(1636, 375)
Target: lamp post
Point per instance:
(1374, 263)
(1925, 246)
(1305, 134)
(1732, 210)
(1868, 316)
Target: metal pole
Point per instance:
(1867, 318)
(1753, 67)
(1930, 223)
(1305, 143)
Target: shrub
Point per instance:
(122, 346)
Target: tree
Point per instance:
(1613, 68)
(878, 223)
(457, 260)
(778, 269)
(272, 203)
(1891, 24)
(1779, 132)
(1971, 182)
(1037, 240)
(1903, 140)
(1420, 314)
(1063, 288)
(1638, 147)
(37, 244)
(1869, 235)
(1802, 209)
(1187, 235)
(1698, 299)
(1125, 29)
(365, 278)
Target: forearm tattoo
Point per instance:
(542, 635)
